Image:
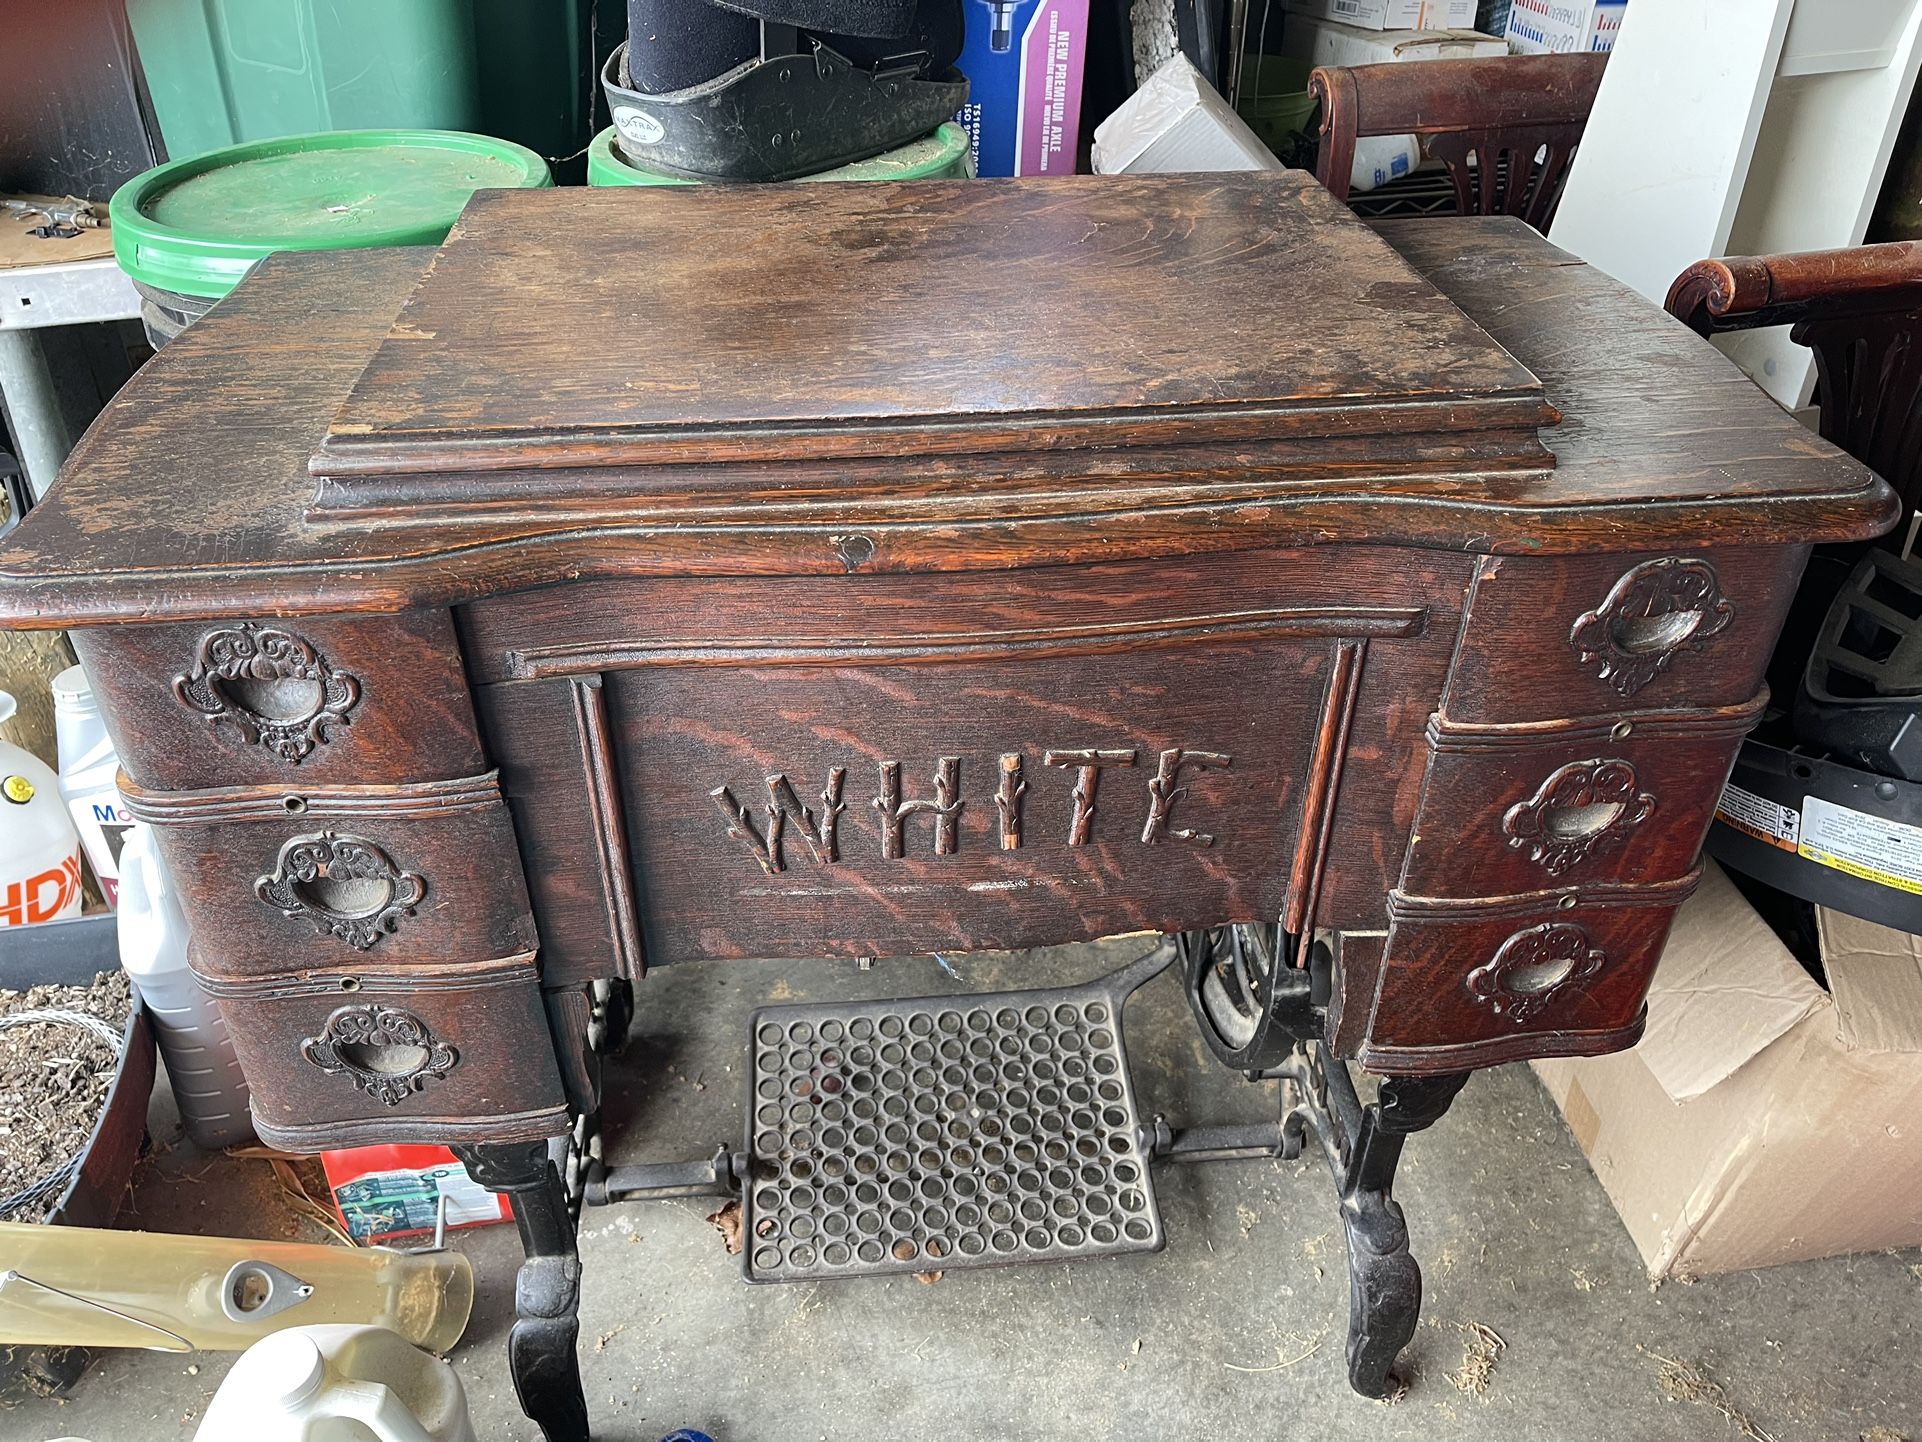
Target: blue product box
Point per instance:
(1024, 61)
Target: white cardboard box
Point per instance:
(1177, 122)
(1762, 1119)
(1391, 14)
(1329, 42)
(1553, 27)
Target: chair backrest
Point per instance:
(1498, 112)
(1860, 311)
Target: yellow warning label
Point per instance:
(1873, 848)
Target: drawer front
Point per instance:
(885, 765)
(1516, 808)
(1669, 631)
(308, 702)
(382, 1057)
(280, 882)
(1474, 984)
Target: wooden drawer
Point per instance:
(1477, 983)
(1514, 808)
(309, 702)
(1543, 638)
(445, 1055)
(278, 882)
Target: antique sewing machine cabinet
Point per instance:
(854, 571)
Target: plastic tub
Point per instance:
(224, 72)
(1275, 102)
(944, 155)
(187, 232)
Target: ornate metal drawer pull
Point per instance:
(386, 1051)
(1582, 808)
(1655, 612)
(272, 686)
(345, 885)
(1533, 967)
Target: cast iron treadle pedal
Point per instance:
(933, 1132)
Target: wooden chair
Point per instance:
(1860, 312)
(1486, 120)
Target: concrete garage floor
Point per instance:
(1234, 1331)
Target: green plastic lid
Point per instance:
(944, 155)
(195, 227)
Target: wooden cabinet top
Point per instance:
(742, 326)
(914, 377)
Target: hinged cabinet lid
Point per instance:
(762, 327)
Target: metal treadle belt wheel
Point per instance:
(924, 1133)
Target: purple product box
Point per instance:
(1023, 60)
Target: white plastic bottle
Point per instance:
(39, 850)
(187, 1025)
(89, 776)
(332, 1384)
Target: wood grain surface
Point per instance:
(769, 323)
(881, 634)
(1023, 679)
(188, 499)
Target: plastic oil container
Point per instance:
(39, 850)
(188, 1028)
(332, 1384)
(89, 777)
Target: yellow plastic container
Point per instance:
(81, 1287)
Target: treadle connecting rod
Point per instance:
(719, 1176)
(1234, 1142)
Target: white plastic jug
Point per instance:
(337, 1384)
(39, 849)
(89, 777)
(188, 1027)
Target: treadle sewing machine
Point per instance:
(675, 575)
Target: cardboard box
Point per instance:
(1391, 14)
(1762, 1119)
(1329, 42)
(1177, 122)
(1024, 70)
(1553, 27)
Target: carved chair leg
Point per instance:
(1384, 1281)
(541, 1350)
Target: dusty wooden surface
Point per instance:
(190, 500)
(957, 317)
(826, 663)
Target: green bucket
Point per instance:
(187, 232)
(1276, 104)
(944, 155)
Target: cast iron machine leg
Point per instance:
(547, 1293)
(1363, 1145)
(1262, 1014)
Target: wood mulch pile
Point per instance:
(54, 1081)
